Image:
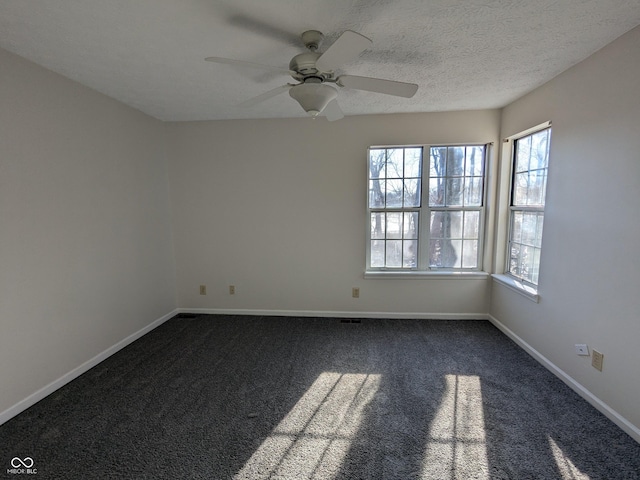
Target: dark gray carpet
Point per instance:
(220, 397)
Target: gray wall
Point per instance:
(589, 283)
(277, 208)
(85, 252)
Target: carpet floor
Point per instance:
(238, 397)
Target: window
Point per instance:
(528, 191)
(395, 184)
(455, 201)
(436, 227)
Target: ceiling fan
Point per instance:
(314, 71)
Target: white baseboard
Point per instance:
(336, 314)
(611, 414)
(76, 372)
(35, 397)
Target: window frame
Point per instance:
(530, 287)
(394, 209)
(422, 267)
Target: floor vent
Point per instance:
(187, 315)
(350, 320)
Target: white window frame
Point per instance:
(503, 233)
(422, 267)
(537, 209)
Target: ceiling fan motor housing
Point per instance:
(305, 64)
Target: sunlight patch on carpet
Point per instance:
(456, 447)
(312, 441)
(565, 466)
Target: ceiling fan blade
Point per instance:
(265, 96)
(378, 85)
(242, 63)
(333, 111)
(347, 47)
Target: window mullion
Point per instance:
(424, 215)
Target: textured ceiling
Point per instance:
(464, 54)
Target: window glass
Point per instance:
(528, 192)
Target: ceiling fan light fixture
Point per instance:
(313, 97)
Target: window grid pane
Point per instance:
(524, 262)
(394, 239)
(456, 176)
(454, 239)
(395, 176)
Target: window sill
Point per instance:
(525, 290)
(422, 275)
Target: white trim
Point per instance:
(517, 286)
(611, 414)
(38, 395)
(424, 275)
(528, 131)
(336, 314)
(433, 144)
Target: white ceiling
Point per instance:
(463, 54)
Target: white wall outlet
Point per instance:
(203, 289)
(355, 292)
(596, 361)
(582, 349)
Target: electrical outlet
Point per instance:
(203, 289)
(582, 349)
(355, 292)
(232, 289)
(596, 361)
